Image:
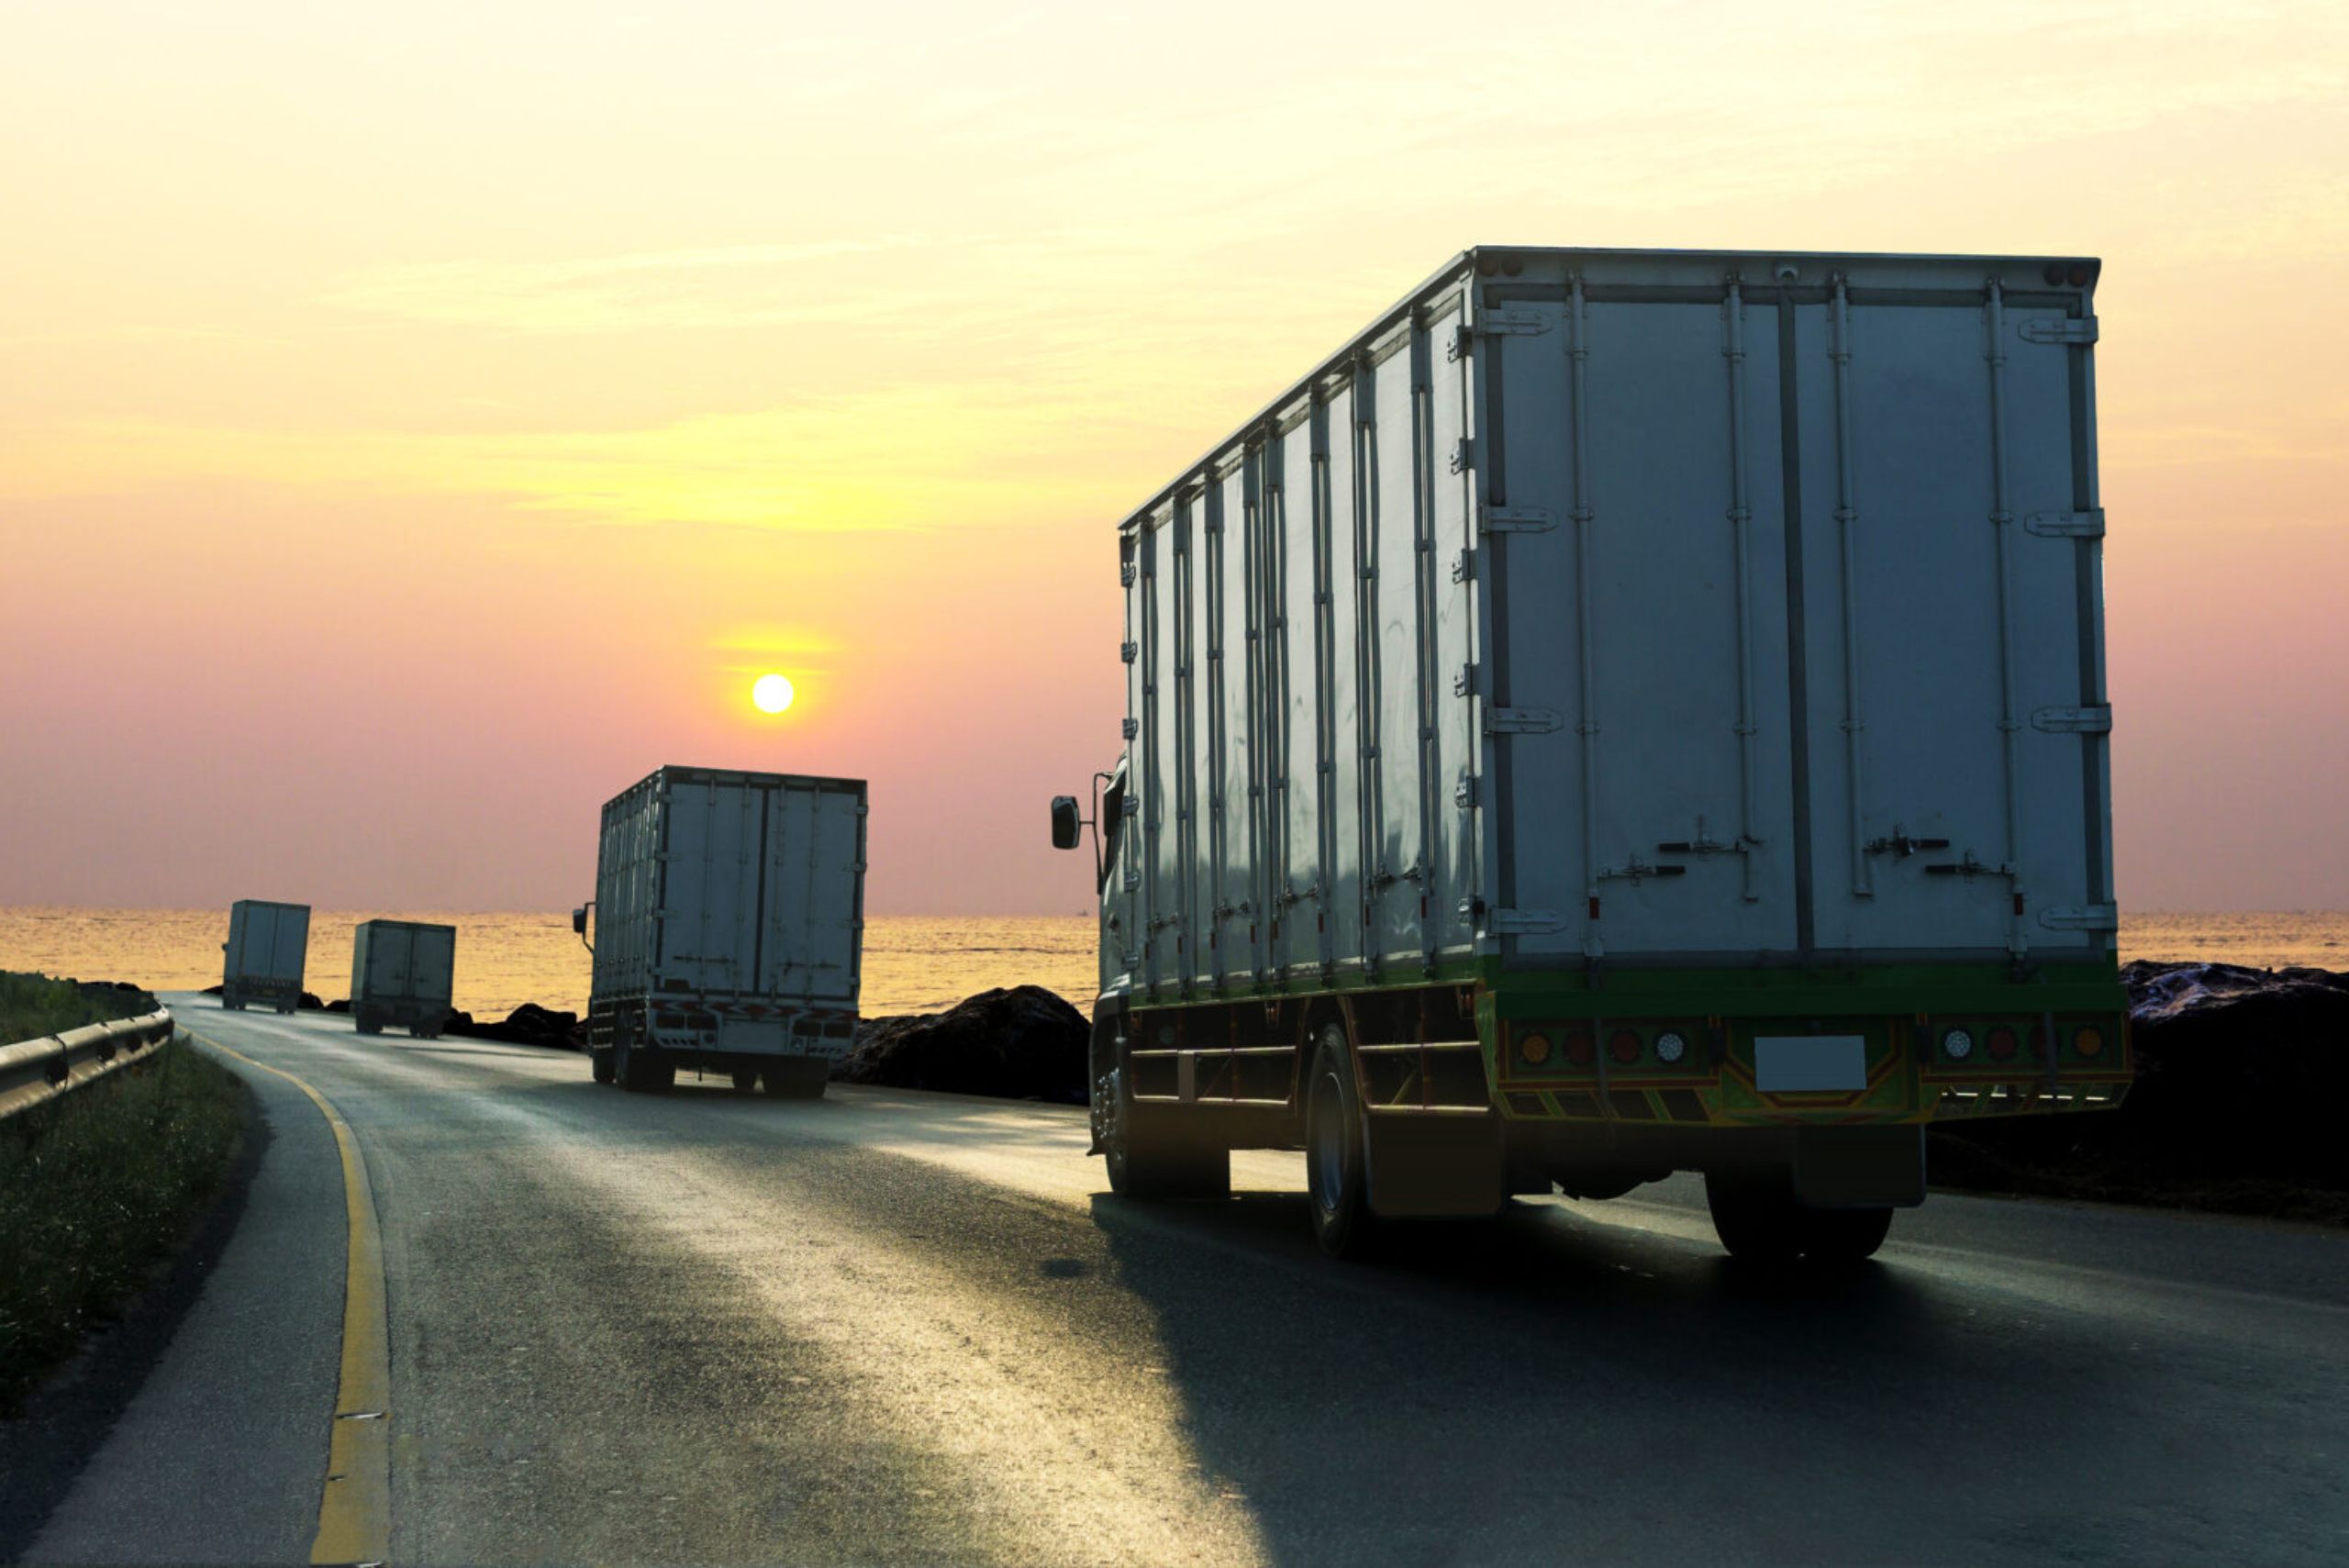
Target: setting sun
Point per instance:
(771, 694)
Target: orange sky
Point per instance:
(414, 427)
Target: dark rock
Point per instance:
(340, 1005)
(310, 1004)
(529, 1024)
(2239, 1075)
(212, 990)
(1025, 1043)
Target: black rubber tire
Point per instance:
(1759, 1220)
(746, 1080)
(287, 1009)
(366, 1023)
(1337, 1182)
(229, 1007)
(1155, 1151)
(599, 1062)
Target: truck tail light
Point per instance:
(1534, 1046)
(2001, 1044)
(1670, 1047)
(1581, 1049)
(1624, 1046)
(1957, 1045)
(2090, 1041)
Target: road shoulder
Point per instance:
(219, 1452)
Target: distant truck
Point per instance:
(729, 929)
(402, 972)
(1626, 712)
(268, 946)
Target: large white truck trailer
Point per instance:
(729, 929)
(402, 972)
(1624, 712)
(262, 960)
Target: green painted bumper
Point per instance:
(1685, 1047)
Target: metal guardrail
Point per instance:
(35, 1072)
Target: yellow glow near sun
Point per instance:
(771, 694)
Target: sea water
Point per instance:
(913, 963)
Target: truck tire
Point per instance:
(232, 1004)
(286, 1008)
(1759, 1220)
(1336, 1181)
(1155, 1151)
(640, 1071)
(746, 1080)
(600, 1064)
(366, 1022)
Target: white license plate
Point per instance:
(1810, 1063)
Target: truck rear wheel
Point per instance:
(1155, 1151)
(640, 1071)
(1759, 1220)
(746, 1079)
(1336, 1178)
(366, 1022)
(599, 1062)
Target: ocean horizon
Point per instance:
(913, 963)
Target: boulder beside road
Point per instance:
(1024, 1043)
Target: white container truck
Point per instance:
(729, 929)
(268, 946)
(1624, 712)
(402, 972)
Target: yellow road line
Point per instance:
(355, 1513)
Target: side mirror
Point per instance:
(1068, 825)
(579, 920)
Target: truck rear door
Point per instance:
(1880, 729)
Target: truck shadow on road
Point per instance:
(1545, 1386)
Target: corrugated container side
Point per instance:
(1294, 620)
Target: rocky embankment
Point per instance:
(2242, 1076)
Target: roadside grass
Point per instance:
(32, 1006)
(96, 1187)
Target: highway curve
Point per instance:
(904, 1327)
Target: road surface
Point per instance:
(895, 1327)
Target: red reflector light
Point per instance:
(2001, 1044)
(2079, 274)
(2089, 1042)
(1624, 1046)
(1580, 1049)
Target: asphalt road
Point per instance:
(895, 1327)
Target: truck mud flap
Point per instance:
(1433, 1166)
(1860, 1167)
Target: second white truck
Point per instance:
(729, 929)
(402, 972)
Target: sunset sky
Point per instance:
(417, 421)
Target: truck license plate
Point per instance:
(1810, 1063)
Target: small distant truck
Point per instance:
(402, 973)
(268, 946)
(1625, 712)
(729, 929)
